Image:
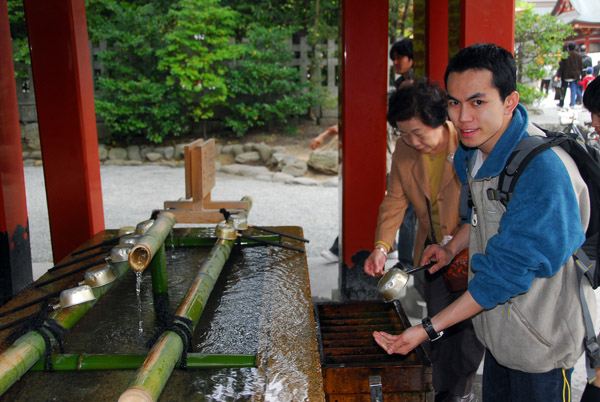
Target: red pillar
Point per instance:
(490, 21)
(363, 121)
(436, 40)
(60, 60)
(15, 249)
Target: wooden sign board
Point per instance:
(199, 168)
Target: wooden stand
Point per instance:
(199, 181)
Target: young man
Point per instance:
(591, 101)
(401, 54)
(523, 291)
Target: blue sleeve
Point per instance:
(539, 231)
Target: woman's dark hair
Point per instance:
(421, 99)
(404, 47)
(487, 56)
(591, 96)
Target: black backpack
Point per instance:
(587, 159)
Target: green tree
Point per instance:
(298, 15)
(266, 89)
(196, 53)
(539, 41)
(317, 20)
(133, 95)
(400, 20)
(18, 35)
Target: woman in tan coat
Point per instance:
(423, 175)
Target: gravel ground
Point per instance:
(130, 193)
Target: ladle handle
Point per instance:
(280, 233)
(420, 268)
(244, 236)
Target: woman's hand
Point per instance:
(435, 252)
(403, 343)
(375, 263)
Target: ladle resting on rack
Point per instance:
(240, 224)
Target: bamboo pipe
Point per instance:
(87, 362)
(152, 376)
(141, 254)
(29, 348)
(158, 268)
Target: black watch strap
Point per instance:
(428, 326)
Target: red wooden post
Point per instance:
(490, 21)
(436, 40)
(363, 121)
(15, 249)
(61, 66)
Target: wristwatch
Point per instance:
(433, 335)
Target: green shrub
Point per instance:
(265, 90)
(529, 94)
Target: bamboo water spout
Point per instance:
(141, 254)
(152, 376)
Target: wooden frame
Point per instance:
(200, 179)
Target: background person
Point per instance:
(523, 290)
(423, 175)
(569, 71)
(401, 54)
(587, 79)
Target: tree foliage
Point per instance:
(133, 95)
(170, 64)
(18, 33)
(197, 49)
(266, 89)
(539, 42)
(400, 19)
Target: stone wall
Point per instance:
(259, 161)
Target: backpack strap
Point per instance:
(527, 149)
(590, 344)
(465, 201)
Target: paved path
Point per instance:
(130, 193)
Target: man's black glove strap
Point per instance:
(433, 335)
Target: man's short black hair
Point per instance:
(591, 96)
(571, 45)
(404, 47)
(421, 99)
(487, 56)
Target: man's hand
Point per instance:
(375, 263)
(316, 143)
(403, 343)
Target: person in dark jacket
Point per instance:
(569, 71)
